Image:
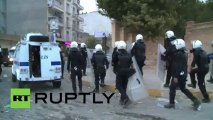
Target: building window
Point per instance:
(74, 10)
(68, 7)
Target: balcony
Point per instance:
(60, 20)
(80, 19)
(77, 4)
(56, 4)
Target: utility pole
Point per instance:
(53, 28)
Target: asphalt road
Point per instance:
(148, 109)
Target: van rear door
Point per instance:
(46, 69)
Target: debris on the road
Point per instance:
(7, 106)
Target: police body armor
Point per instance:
(203, 62)
(124, 62)
(140, 51)
(75, 63)
(99, 61)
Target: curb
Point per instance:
(151, 92)
(112, 88)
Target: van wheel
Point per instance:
(56, 84)
(20, 84)
(14, 78)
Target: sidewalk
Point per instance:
(152, 83)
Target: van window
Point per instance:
(11, 53)
(16, 51)
(39, 38)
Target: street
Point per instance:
(148, 109)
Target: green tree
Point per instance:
(154, 17)
(151, 17)
(91, 42)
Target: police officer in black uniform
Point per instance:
(139, 50)
(113, 55)
(100, 63)
(169, 38)
(179, 75)
(202, 61)
(123, 61)
(84, 54)
(62, 55)
(76, 61)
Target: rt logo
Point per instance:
(19, 98)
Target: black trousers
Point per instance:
(99, 75)
(84, 66)
(140, 65)
(73, 76)
(201, 80)
(121, 85)
(169, 69)
(168, 75)
(182, 85)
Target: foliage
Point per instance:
(91, 42)
(154, 17)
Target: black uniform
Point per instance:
(123, 61)
(84, 54)
(113, 55)
(1, 61)
(62, 64)
(170, 49)
(76, 61)
(139, 50)
(179, 71)
(202, 61)
(100, 64)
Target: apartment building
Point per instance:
(2, 16)
(23, 16)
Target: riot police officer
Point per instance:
(211, 71)
(113, 55)
(84, 54)
(169, 38)
(139, 50)
(100, 63)
(123, 62)
(62, 55)
(200, 60)
(76, 61)
(179, 75)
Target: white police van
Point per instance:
(36, 59)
